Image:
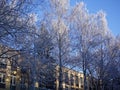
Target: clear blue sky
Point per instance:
(112, 9)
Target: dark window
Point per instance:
(66, 78)
(2, 80)
(72, 88)
(13, 80)
(77, 81)
(81, 80)
(2, 65)
(72, 79)
(66, 88)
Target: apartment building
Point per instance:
(9, 71)
(72, 80)
(13, 77)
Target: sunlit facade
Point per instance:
(72, 80)
(14, 78)
(9, 76)
(9, 70)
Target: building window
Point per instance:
(77, 81)
(81, 81)
(13, 80)
(66, 78)
(72, 79)
(66, 88)
(2, 80)
(3, 65)
(72, 88)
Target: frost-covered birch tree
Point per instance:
(60, 33)
(87, 27)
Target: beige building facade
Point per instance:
(72, 80)
(11, 77)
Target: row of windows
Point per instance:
(12, 80)
(73, 79)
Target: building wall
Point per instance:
(72, 80)
(9, 72)
(8, 78)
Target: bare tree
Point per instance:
(60, 34)
(87, 30)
